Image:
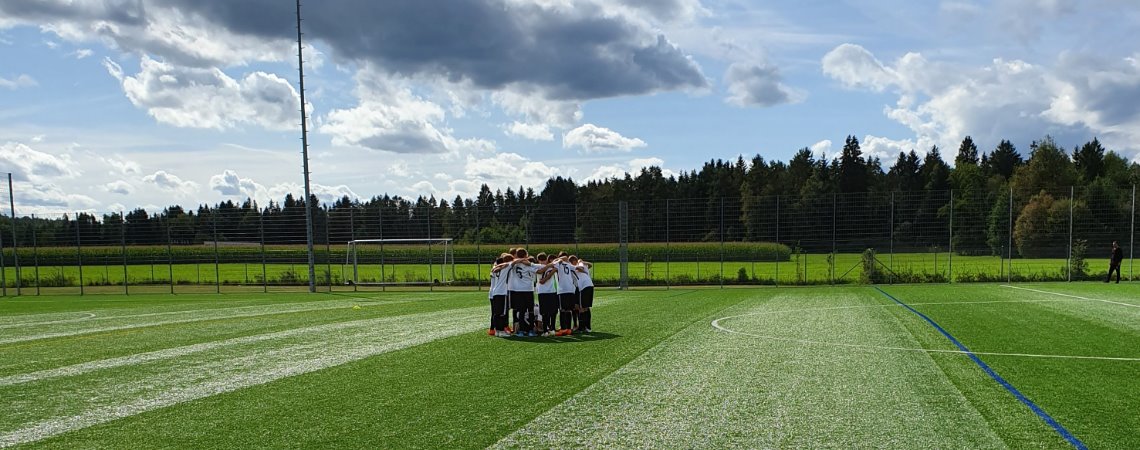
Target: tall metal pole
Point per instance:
(305, 156)
(123, 243)
(35, 255)
(831, 263)
(170, 257)
(1132, 240)
(722, 242)
(1009, 275)
(777, 239)
(1069, 254)
(217, 257)
(668, 248)
(891, 273)
(950, 260)
(15, 247)
(78, 253)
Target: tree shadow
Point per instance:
(572, 339)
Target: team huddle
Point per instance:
(565, 291)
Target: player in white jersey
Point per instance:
(520, 287)
(498, 296)
(567, 294)
(585, 294)
(547, 295)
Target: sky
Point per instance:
(111, 105)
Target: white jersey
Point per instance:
(548, 287)
(498, 283)
(566, 283)
(584, 280)
(521, 278)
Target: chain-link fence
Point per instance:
(899, 237)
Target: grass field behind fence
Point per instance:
(801, 269)
(792, 368)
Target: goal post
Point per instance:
(401, 262)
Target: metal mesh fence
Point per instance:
(1061, 234)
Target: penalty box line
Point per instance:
(1060, 429)
(1070, 296)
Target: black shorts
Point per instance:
(499, 305)
(548, 302)
(567, 301)
(521, 300)
(587, 297)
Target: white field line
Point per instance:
(1130, 305)
(717, 324)
(203, 315)
(202, 376)
(168, 353)
(91, 316)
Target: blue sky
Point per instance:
(109, 105)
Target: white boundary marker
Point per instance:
(717, 325)
(1070, 296)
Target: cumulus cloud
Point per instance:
(534, 132)
(121, 166)
(941, 103)
(83, 53)
(119, 187)
(29, 164)
(229, 184)
(49, 198)
(592, 139)
(758, 85)
(208, 98)
(569, 51)
(18, 82)
(170, 182)
(633, 167)
(822, 148)
(538, 110)
(510, 168)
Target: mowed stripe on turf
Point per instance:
(37, 410)
(126, 322)
(709, 389)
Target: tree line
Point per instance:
(723, 200)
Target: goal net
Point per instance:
(401, 262)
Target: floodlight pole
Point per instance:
(305, 156)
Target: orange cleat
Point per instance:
(490, 332)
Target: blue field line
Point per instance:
(1060, 429)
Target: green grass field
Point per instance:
(802, 269)
(822, 367)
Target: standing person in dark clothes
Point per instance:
(1114, 263)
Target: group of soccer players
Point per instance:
(565, 290)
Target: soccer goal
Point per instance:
(401, 262)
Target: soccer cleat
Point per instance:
(490, 332)
(508, 329)
(562, 332)
(502, 334)
(589, 330)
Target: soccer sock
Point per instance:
(564, 319)
(586, 319)
(577, 319)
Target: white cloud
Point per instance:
(20, 81)
(592, 138)
(633, 167)
(208, 98)
(83, 53)
(941, 103)
(537, 110)
(758, 85)
(171, 182)
(534, 132)
(121, 166)
(509, 169)
(49, 198)
(27, 163)
(821, 149)
(119, 187)
(229, 184)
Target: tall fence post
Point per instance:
(623, 245)
(478, 252)
(170, 256)
(831, 259)
(950, 256)
(722, 242)
(15, 242)
(431, 276)
(668, 247)
(3, 270)
(328, 247)
(123, 244)
(778, 257)
(383, 269)
(1132, 239)
(891, 273)
(1009, 275)
(261, 234)
(217, 258)
(1069, 254)
(78, 252)
(352, 236)
(35, 254)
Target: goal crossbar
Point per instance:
(440, 262)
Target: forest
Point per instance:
(928, 202)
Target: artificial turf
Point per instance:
(797, 367)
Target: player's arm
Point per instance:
(546, 276)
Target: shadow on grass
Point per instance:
(575, 338)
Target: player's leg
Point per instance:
(587, 302)
(565, 315)
(500, 311)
